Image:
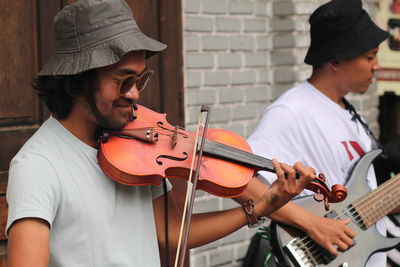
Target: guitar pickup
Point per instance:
(300, 254)
(303, 256)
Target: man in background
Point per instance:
(313, 120)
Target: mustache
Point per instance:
(124, 102)
(128, 102)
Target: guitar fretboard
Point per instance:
(375, 204)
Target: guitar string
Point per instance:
(315, 248)
(366, 214)
(357, 222)
(311, 251)
(362, 203)
(367, 200)
(317, 252)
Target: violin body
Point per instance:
(149, 149)
(139, 162)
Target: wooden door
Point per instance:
(165, 94)
(26, 43)
(20, 112)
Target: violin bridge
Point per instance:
(174, 138)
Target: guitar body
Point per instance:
(285, 239)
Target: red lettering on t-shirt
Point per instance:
(347, 150)
(357, 148)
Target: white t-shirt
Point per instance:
(305, 125)
(94, 220)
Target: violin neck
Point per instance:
(241, 157)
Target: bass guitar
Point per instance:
(364, 207)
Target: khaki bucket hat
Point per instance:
(95, 33)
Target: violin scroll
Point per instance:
(338, 193)
(322, 192)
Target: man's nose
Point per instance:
(133, 93)
(376, 65)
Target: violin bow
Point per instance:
(188, 207)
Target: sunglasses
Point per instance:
(141, 81)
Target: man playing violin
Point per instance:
(63, 210)
(344, 44)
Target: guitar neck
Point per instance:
(376, 204)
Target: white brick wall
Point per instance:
(239, 56)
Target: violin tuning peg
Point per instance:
(326, 204)
(322, 176)
(319, 197)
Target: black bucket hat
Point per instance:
(95, 33)
(341, 30)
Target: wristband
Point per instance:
(253, 221)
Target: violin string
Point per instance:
(241, 155)
(255, 160)
(364, 201)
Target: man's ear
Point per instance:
(335, 65)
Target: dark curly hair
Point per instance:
(60, 92)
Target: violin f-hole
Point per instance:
(159, 162)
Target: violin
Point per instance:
(149, 149)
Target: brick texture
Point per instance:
(240, 55)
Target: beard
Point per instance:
(114, 120)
